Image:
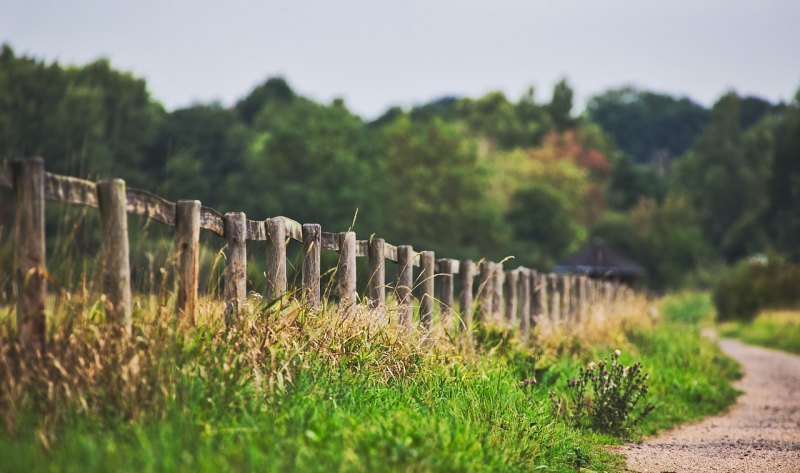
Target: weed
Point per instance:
(616, 391)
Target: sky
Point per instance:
(376, 54)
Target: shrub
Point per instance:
(616, 393)
(756, 284)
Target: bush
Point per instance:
(756, 284)
(616, 392)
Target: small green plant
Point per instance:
(612, 405)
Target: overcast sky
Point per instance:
(376, 54)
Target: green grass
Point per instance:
(349, 400)
(772, 329)
(688, 308)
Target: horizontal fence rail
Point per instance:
(522, 296)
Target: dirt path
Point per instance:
(761, 433)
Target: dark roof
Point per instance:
(598, 259)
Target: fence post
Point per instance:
(485, 291)
(565, 285)
(187, 242)
(275, 229)
(405, 281)
(539, 298)
(347, 268)
(312, 246)
(29, 257)
(582, 288)
(511, 281)
(552, 288)
(427, 263)
(377, 273)
(235, 265)
(446, 293)
(116, 251)
(524, 283)
(466, 273)
(498, 282)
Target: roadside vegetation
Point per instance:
(292, 390)
(778, 329)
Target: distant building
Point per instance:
(598, 260)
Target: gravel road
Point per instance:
(761, 432)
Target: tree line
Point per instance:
(679, 187)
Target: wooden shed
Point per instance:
(597, 260)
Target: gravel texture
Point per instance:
(761, 433)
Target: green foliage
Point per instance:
(244, 400)
(773, 329)
(783, 214)
(665, 237)
(686, 369)
(540, 213)
(560, 106)
(756, 284)
(648, 127)
(693, 308)
(613, 406)
(630, 182)
(437, 194)
(467, 177)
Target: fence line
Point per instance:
(519, 295)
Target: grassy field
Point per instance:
(292, 390)
(772, 329)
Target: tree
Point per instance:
(540, 215)
(648, 127)
(783, 216)
(560, 106)
(630, 182)
(309, 161)
(715, 174)
(201, 150)
(433, 189)
(274, 90)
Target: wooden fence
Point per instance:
(521, 295)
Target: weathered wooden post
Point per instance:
(187, 243)
(275, 229)
(539, 299)
(29, 256)
(498, 282)
(485, 291)
(466, 273)
(377, 273)
(405, 282)
(312, 248)
(427, 263)
(552, 288)
(511, 282)
(235, 265)
(582, 289)
(445, 274)
(565, 285)
(347, 269)
(524, 283)
(116, 252)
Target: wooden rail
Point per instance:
(522, 296)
